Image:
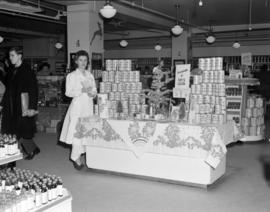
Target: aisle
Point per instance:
(243, 189)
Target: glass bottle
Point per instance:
(38, 198)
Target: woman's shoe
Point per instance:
(77, 166)
(36, 151)
(30, 156)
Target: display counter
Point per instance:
(238, 108)
(193, 154)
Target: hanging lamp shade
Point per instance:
(177, 30)
(123, 43)
(210, 39)
(108, 11)
(236, 45)
(158, 47)
(59, 45)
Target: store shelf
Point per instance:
(243, 81)
(234, 97)
(62, 204)
(237, 110)
(252, 138)
(10, 159)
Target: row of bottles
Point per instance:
(8, 145)
(23, 190)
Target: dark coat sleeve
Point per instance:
(29, 85)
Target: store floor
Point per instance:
(242, 189)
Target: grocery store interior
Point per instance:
(205, 149)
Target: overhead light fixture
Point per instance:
(177, 29)
(210, 39)
(58, 45)
(1, 39)
(200, 3)
(123, 43)
(236, 45)
(158, 47)
(4, 5)
(108, 10)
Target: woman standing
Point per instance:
(20, 103)
(80, 85)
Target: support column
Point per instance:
(180, 47)
(85, 28)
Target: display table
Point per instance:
(11, 158)
(171, 151)
(62, 204)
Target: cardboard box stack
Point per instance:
(120, 86)
(208, 96)
(253, 119)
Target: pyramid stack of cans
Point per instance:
(208, 97)
(122, 86)
(253, 119)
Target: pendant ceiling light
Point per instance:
(1, 39)
(236, 45)
(200, 3)
(210, 37)
(123, 43)
(108, 10)
(158, 47)
(177, 29)
(59, 45)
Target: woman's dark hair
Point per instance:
(17, 49)
(82, 53)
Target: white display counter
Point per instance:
(190, 154)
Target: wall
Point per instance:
(137, 53)
(229, 51)
(44, 48)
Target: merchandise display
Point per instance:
(253, 119)
(120, 91)
(22, 190)
(208, 97)
(243, 108)
(8, 146)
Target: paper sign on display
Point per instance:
(182, 76)
(181, 93)
(246, 59)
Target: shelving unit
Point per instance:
(257, 60)
(237, 114)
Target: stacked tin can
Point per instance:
(253, 119)
(118, 65)
(123, 87)
(208, 97)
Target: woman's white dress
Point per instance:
(81, 106)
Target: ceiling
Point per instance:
(214, 12)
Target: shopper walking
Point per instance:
(80, 85)
(19, 103)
